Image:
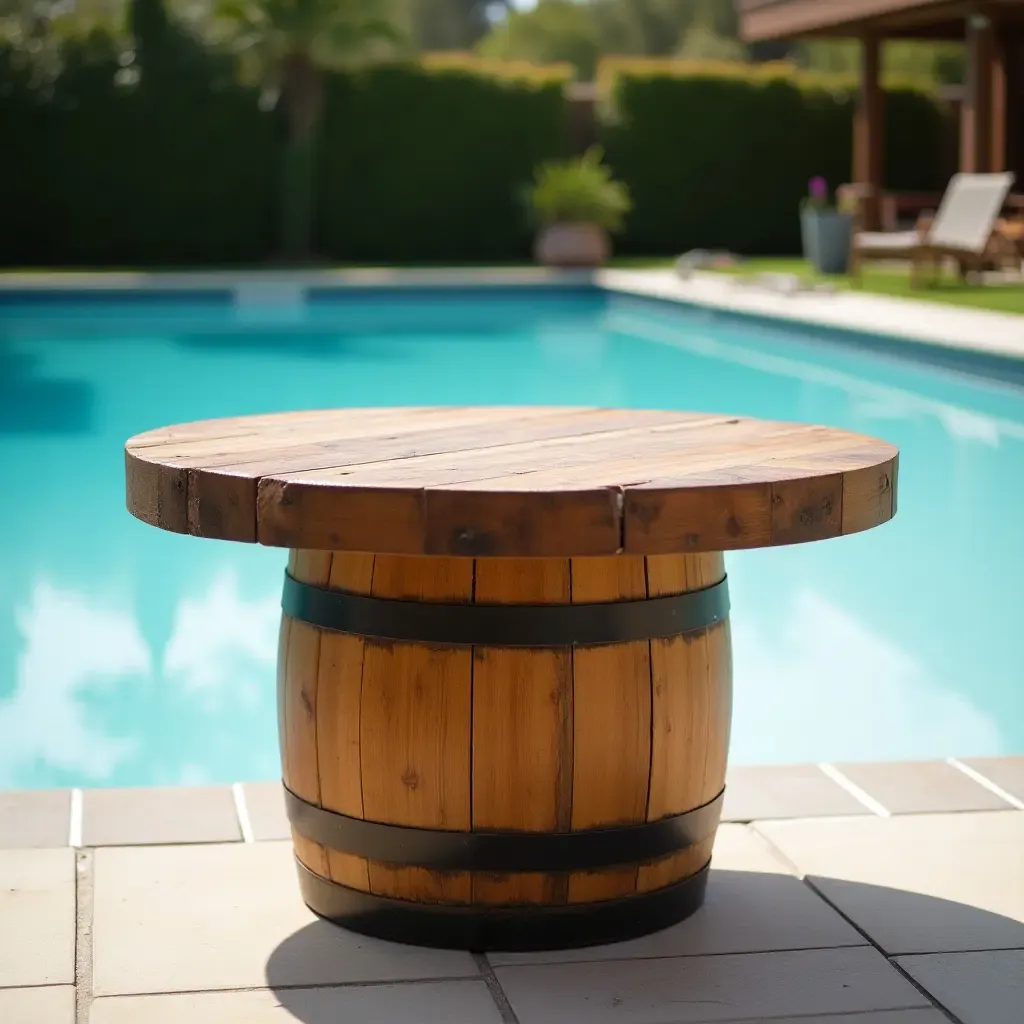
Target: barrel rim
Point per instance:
(464, 624)
(525, 927)
(504, 851)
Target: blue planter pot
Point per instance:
(826, 240)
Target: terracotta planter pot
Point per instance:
(572, 245)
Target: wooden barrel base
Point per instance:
(504, 753)
(519, 928)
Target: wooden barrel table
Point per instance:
(504, 670)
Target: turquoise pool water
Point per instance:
(129, 656)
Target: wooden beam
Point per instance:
(999, 156)
(976, 113)
(869, 131)
(781, 18)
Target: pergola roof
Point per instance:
(924, 19)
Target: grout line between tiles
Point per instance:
(932, 1000)
(242, 812)
(920, 988)
(75, 819)
(467, 979)
(508, 1015)
(84, 903)
(981, 780)
(774, 850)
(862, 797)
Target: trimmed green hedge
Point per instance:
(428, 165)
(723, 162)
(412, 163)
(102, 174)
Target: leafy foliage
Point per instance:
(555, 31)
(424, 166)
(717, 160)
(582, 190)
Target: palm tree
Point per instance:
(288, 45)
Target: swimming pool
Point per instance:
(130, 656)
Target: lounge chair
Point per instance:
(963, 228)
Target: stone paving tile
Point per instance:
(265, 803)
(918, 884)
(50, 1005)
(785, 791)
(452, 1002)
(156, 814)
(979, 988)
(34, 818)
(687, 990)
(193, 918)
(37, 918)
(753, 905)
(1006, 772)
(917, 787)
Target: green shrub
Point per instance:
(581, 190)
(723, 161)
(425, 165)
(412, 163)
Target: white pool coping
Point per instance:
(939, 325)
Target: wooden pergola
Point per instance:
(992, 112)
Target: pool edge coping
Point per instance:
(953, 336)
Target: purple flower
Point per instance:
(818, 187)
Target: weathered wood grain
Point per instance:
(536, 482)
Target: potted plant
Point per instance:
(576, 204)
(825, 229)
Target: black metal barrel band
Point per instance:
(505, 927)
(503, 851)
(506, 625)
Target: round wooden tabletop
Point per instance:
(510, 481)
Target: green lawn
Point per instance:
(1003, 298)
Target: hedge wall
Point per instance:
(120, 175)
(723, 161)
(421, 165)
(412, 163)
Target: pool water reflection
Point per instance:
(129, 656)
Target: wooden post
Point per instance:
(868, 132)
(976, 137)
(999, 154)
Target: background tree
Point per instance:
(452, 24)
(287, 45)
(555, 31)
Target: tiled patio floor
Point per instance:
(832, 899)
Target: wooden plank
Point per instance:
(460, 431)
(697, 518)
(588, 523)
(338, 713)
(156, 494)
(416, 727)
(611, 724)
(301, 774)
(685, 713)
(301, 770)
(360, 519)
(719, 644)
(868, 497)
(805, 510)
(522, 729)
(221, 507)
(488, 482)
